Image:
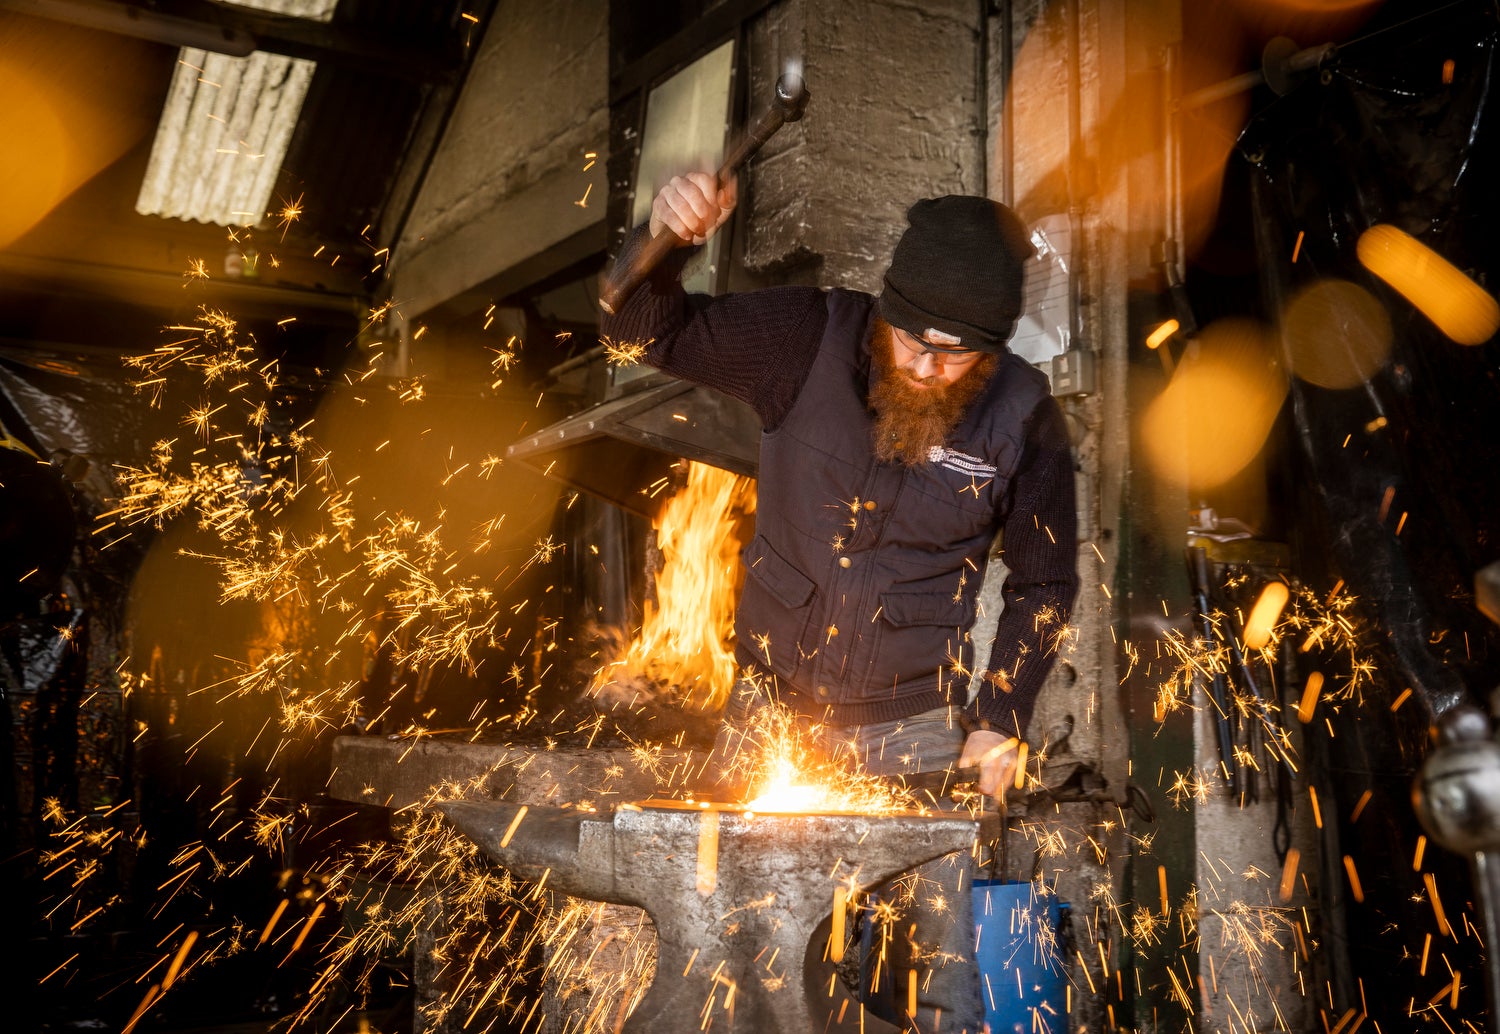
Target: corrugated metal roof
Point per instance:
(225, 128)
(383, 76)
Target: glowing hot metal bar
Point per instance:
(769, 898)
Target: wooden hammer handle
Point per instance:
(627, 276)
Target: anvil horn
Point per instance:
(575, 848)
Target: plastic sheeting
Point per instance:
(69, 420)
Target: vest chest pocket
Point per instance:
(948, 506)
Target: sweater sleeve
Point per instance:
(1040, 552)
(755, 346)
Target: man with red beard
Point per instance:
(900, 438)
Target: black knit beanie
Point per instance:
(958, 269)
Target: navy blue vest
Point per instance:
(862, 576)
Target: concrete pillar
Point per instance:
(1253, 962)
(894, 118)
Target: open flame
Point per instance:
(684, 640)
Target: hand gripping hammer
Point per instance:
(791, 101)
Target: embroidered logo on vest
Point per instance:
(961, 462)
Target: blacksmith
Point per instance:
(900, 436)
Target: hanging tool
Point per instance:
(1197, 565)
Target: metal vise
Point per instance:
(1457, 797)
(741, 901)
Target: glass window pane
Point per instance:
(686, 119)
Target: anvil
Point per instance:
(742, 901)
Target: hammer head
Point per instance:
(791, 96)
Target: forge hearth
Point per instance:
(397, 773)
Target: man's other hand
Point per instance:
(694, 206)
(995, 756)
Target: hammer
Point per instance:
(791, 101)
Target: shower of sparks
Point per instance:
(495, 930)
(543, 550)
(390, 580)
(1191, 787)
(239, 468)
(504, 359)
(786, 766)
(242, 498)
(411, 389)
(290, 212)
(623, 353)
(1184, 666)
(379, 314)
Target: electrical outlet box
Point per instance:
(1074, 373)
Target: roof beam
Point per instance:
(70, 277)
(238, 31)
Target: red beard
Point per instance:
(911, 421)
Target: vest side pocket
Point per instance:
(917, 635)
(775, 607)
(910, 609)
